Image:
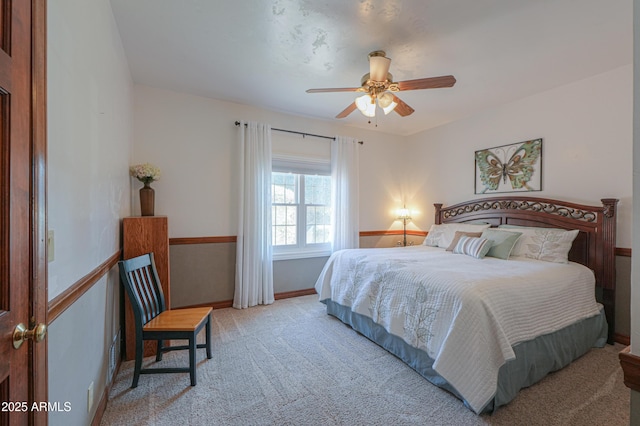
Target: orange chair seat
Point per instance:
(178, 320)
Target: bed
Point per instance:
(484, 328)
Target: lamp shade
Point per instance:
(390, 108)
(404, 214)
(386, 102)
(385, 99)
(366, 105)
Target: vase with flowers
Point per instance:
(146, 173)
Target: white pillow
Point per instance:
(442, 235)
(548, 244)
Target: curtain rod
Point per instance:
(302, 133)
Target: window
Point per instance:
(301, 215)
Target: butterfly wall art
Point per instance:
(509, 168)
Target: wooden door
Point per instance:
(22, 208)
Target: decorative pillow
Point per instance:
(442, 235)
(502, 242)
(459, 234)
(472, 246)
(548, 244)
(435, 234)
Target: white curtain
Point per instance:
(344, 193)
(254, 258)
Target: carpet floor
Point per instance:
(292, 364)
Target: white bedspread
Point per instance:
(466, 313)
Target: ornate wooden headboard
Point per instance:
(594, 246)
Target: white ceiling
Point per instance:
(266, 53)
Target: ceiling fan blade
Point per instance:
(378, 66)
(335, 89)
(427, 83)
(348, 110)
(402, 108)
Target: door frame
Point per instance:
(38, 298)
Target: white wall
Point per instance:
(90, 127)
(586, 128)
(89, 137)
(193, 141)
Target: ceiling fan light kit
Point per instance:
(386, 102)
(367, 105)
(379, 86)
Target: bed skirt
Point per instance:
(534, 359)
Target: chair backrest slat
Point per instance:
(154, 302)
(132, 290)
(140, 279)
(145, 296)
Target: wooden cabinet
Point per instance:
(141, 235)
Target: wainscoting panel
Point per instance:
(202, 273)
(296, 274)
(623, 295)
(205, 273)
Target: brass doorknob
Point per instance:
(20, 334)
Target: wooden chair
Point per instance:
(154, 322)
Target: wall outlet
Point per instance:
(90, 398)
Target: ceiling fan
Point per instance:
(379, 87)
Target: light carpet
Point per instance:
(292, 364)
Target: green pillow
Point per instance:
(503, 242)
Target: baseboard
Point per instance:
(102, 405)
(621, 338)
(215, 305)
(630, 364)
(296, 293)
(229, 303)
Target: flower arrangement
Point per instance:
(145, 173)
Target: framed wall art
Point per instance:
(509, 168)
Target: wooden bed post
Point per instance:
(438, 207)
(609, 263)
